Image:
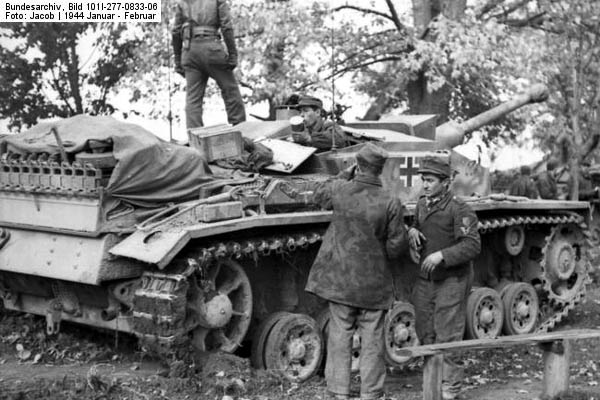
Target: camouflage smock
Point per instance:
(366, 230)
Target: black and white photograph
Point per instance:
(300, 199)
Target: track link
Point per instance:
(555, 311)
(160, 303)
(160, 313)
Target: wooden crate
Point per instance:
(216, 144)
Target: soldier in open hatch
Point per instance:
(199, 55)
(318, 132)
(352, 271)
(446, 239)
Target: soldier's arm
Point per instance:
(177, 37)
(397, 239)
(324, 140)
(323, 193)
(226, 25)
(468, 243)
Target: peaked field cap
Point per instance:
(435, 165)
(310, 101)
(372, 154)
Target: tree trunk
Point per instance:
(73, 76)
(420, 99)
(377, 108)
(577, 142)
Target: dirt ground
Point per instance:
(82, 363)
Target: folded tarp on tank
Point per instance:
(149, 171)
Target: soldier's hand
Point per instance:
(432, 261)
(301, 137)
(415, 237)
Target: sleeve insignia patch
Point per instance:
(466, 221)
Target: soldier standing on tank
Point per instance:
(524, 185)
(352, 271)
(199, 55)
(317, 132)
(445, 237)
(546, 182)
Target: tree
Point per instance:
(572, 52)
(45, 77)
(442, 58)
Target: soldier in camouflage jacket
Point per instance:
(352, 271)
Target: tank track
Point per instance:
(159, 316)
(160, 303)
(555, 312)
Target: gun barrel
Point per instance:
(451, 134)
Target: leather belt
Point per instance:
(204, 31)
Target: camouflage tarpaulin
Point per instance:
(149, 171)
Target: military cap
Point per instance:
(372, 154)
(435, 165)
(309, 101)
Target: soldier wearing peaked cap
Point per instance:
(445, 237)
(317, 132)
(352, 271)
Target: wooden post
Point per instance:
(557, 356)
(432, 377)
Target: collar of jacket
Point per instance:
(440, 204)
(368, 179)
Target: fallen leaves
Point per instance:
(22, 353)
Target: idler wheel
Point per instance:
(294, 347)
(485, 313)
(225, 317)
(399, 331)
(521, 309)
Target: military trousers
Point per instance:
(206, 58)
(369, 323)
(440, 311)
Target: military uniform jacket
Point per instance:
(208, 13)
(366, 230)
(213, 14)
(524, 186)
(546, 185)
(450, 226)
(322, 135)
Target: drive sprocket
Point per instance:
(565, 265)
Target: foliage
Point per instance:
(43, 75)
(282, 45)
(572, 70)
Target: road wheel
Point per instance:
(521, 308)
(399, 331)
(257, 355)
(485, 313)
(294, 347)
